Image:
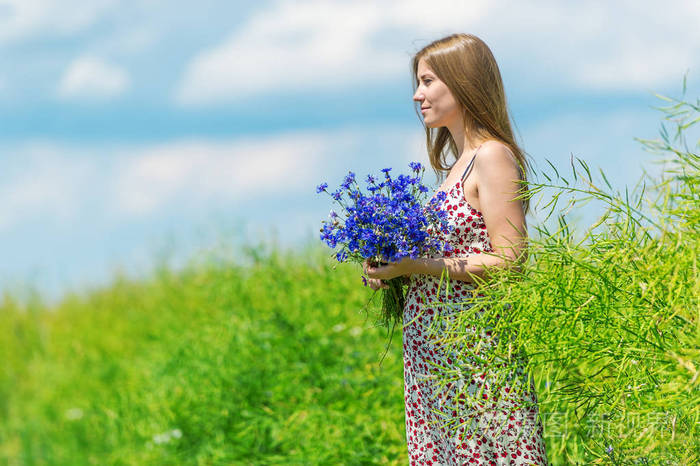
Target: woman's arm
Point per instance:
(504, 218)
(459, 268)
(497, 185)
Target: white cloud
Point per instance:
(23, 18)
(47, 183)
(88, 77)
(64, 183)
(197, 171)
(310, 45)
(318, 44)
(630, 68)
(60, 183)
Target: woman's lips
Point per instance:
(422, 110)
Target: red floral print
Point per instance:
(508, 429)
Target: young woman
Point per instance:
(462, 101)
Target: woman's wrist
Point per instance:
(409, 267)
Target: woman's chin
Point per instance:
(431, 123)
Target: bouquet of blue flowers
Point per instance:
(392, 221)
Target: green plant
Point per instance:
(606, 323)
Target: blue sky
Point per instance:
(131, 130)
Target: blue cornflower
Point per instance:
(349, 178)
(388, 220)
(415, 166)
(401, 183)
(321, 187)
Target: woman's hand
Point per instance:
(376, 283)
(379, 275)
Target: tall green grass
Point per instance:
(268, 363)
(266, 356)
(605, 319)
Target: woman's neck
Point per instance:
(465, 142)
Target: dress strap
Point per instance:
(470, 163)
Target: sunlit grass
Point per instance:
(607, 317)
(265, 356)
(272, 363)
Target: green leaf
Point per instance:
(662, 97)
(585, 167)
(689, 124)
(553, 167)
(605, 178)
(573, 167)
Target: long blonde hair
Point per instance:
(466, 65)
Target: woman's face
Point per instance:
(438, 106)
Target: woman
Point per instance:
(460, 92)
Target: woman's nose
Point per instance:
(418, 96)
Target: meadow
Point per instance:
(268, 363)
(272, 356)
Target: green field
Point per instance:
(270, 358)
(269, 364)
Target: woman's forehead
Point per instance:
(423, 68)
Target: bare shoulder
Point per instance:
(496, 159)
(496, 151)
